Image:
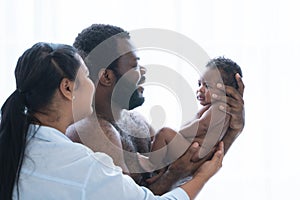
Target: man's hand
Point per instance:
(233, 104)
(180, 169)
(206, 171)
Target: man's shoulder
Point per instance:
(132, 115)
(90, 127)
(136, 124)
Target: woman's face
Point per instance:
(83, 93)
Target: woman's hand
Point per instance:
(204, 173)
(210, 167)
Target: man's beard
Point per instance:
(136, 100)
(127, 96)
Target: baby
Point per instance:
(209, 126)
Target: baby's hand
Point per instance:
(202, 110)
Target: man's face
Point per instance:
(131, 75)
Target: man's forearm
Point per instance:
(177, 173)
(164, 183)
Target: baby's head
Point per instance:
(218, 70)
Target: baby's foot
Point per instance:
(203, 151)
(145, 163)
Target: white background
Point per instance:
(262, 36)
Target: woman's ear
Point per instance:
(66, 87)
(106, 77)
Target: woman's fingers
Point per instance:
(210, 167)
(218, 157)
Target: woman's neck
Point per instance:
(56, 121)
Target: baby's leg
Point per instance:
(167, 146)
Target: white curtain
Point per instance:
(261, 36)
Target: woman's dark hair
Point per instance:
(38, 73)
(227, 69)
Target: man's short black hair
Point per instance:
(95, 34)
(227, 69)
(92, 36)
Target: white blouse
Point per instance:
(56, 168)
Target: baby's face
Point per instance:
(206, 84)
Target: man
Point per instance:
(115, 127)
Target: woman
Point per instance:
(37, 161)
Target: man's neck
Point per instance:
(109, 112)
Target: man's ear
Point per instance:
(66, 88)
(106, 77)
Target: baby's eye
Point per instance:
(207, 86)
(199, 83)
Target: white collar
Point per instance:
(46, 133)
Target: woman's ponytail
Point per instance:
(13, 131)
(38, 73)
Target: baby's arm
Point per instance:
(208, 130)
(198, 127)
(198, 115)
(202, 111)
(217, 127)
